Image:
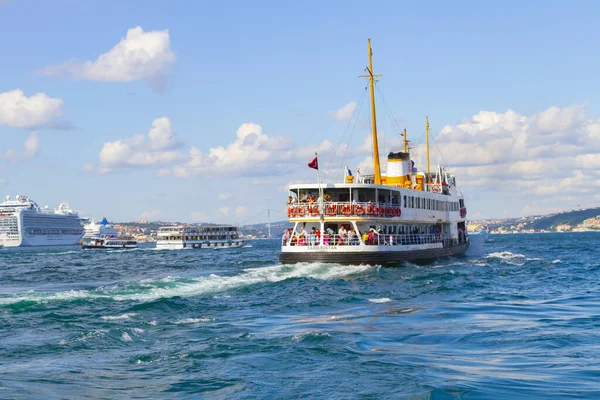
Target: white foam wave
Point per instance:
(137, 330)
(557, 261)
(172, 286)
(125, 337)
(381, 300)
(508, 257)
(192, 321)
(117, 317)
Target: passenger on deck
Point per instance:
(311, 198)
(290, 201)
(365, 237)
(327, 197)
(286, 236)
(304, 198)
(312, 238)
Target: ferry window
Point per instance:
(412, 201)
(405, 201)
(429, 204)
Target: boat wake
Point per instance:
(507, 257)
(178, 286)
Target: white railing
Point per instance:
(344, 209)
(372, 239)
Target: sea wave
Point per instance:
(172, 286)
(507, 257)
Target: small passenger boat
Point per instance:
(110, 242)
(199, 237)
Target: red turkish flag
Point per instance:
(314, 164)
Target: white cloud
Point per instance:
(225, 210)
(139, 55)
(540, 156)
(137, 151)
(225, 196)
(199, 216)
(240, 210)
(344, 113)
(31, 148)
(149, 215)
(252, 153)
(32, 145)
(36, 111)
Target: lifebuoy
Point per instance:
(331, 210)
(301, 211)
(358, 210)
(346, 210)
(291, 212)
(313, 211)
(389, 212)
(398, 211)
(369, 210)
(381, 211)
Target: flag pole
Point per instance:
(319, 176)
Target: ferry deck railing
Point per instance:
(343, 209)
(373, 239)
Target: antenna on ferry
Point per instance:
(427, 141)
(371, 76)
(403, 134)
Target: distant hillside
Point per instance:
(572, 218)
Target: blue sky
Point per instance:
(275, 73)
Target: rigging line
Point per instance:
(387, 109)
(345, 130)
(439, 151)
(359, 108)
(262, 212)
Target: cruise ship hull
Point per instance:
(39, 240)
(379, 255)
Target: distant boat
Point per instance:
(110, 242)
(199, 237)
(24, 223)
(484, 232)
(101, 228)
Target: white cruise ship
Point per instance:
(24, 223)
(198, 237)
(102, 228)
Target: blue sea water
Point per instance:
(518, 317)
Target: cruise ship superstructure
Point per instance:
(24, 223)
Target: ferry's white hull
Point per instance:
(178, 245)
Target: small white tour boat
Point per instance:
(199, 237)
(110, 242)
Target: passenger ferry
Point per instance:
(198, 237)
(24, 223)
(110, 242)
(403, 215)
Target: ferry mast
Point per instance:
(371, 76)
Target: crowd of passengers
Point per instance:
(308, 198)
(350, 237)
